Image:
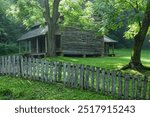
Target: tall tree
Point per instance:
(137, 13)
(52, 24)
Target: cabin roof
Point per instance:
(109, 40)
(35, 33)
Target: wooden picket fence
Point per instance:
(112, 83)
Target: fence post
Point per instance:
(120, 85)
(76, 75)
(92, 77)
(103, 80)
(114, 83)
(86, 84)
(55, 71)
(97, 79)
(108, 82)
(46, 73)
(145, 87)
(82, 76)
(34, 69)
(22, 66)
(64, 73)
(59, 71)
(126, 86)
(138, 93)
(72, 75)
(42, 70)
(51, 72)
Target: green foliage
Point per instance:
(10, 30)
(6, 49)
(13, 88)
(114, 12)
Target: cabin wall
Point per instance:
(75, 41)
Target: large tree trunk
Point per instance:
(52, 24)
(135, 62)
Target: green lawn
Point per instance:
(122, 58)
(15, 88)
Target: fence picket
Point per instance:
(82, 76)
(103, 81)
(120, 85)
(86, 84)
(59, 71)
(51, 72)
(22, 67)
(46, 71)
(145, 87)
(97, 79)
(64, 74)
(108, 82)
(76, 76)
(138, 93)
(92, 77)
(113, 83)
(126, 86)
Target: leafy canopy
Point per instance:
(74, 12)
(115, 13)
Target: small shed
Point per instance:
(69, 41)
(109, 46)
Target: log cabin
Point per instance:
(69, 41)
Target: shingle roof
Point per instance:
(109, 40)
(35, 33)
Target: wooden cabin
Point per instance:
(69, 41)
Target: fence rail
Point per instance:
(106, 82)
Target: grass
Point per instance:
(122, 58)
(20, 89)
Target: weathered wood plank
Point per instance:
(76, 76)
(120, 85)
(34, 69)
(55, 71)
(30, 68)
(51, 72)
(145, 82)
(139, 86)
(22, 66)
(69, 75)
(126, 86)
(59, 71)
(72, 75)
(103, 81)
(9, 65)
(37, 69)
(86, 84)
(97, 79)
(133, 87)
(64, 73)
(108, 82)
(46, 71)
(113, 83)
(42, 70)
(82, 76)
(92, 77)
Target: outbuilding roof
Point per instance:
(109, 40)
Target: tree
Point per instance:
(75, 13)
(52, 24)
(137, 13)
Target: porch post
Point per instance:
(45, 44)
(37, 45)
(29, 46)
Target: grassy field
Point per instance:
(20, 89)
(122, 58)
